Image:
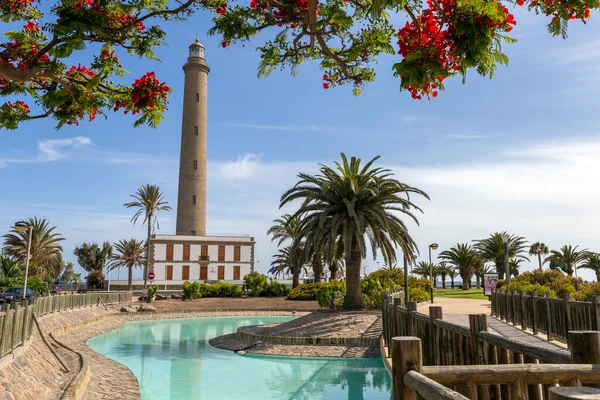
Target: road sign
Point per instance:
(151, 276)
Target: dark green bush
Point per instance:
(376, 283)
(196, 290)
(38, 286)
(255, 283)
(152, 290)
(275, 289)
(306, 291)
(553, 282)
(329, 294)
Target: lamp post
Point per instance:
(505, 240)
(22, 227)
(432, 246)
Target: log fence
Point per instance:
(554, 317)
(16, 319)
(435, 359)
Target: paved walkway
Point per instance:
(457, 311)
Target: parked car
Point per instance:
(16, 293)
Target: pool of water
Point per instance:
(172, 359)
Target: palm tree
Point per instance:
(539, 249)
(492, 249)
(452, 274)
(568, 257)
(443, 271)
(9, 268)
(129, 254)
(343, 207)
(514, 265)
(478, 270)
(422, 269)
(464, 258)
(592, 261)
(148, 201)
(91, 257)
(287, 229)
(45, 246)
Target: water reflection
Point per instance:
(172, 359)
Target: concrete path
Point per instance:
(457, 311)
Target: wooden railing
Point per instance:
(470, 362)
(16, 319)
(555, 317)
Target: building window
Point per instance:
(185, 273)
(169, 272)
(204, 253)
(195, 164)
(169, 252)
(221, 275)
(193, 233)
(236, 253)
(194, 199)
(221, 253)
(203, 273)
(236, 272)
(186, 252)
(197, 97)
(196, 130)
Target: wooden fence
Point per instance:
(16, 319)
(555, 317)
(459, 362)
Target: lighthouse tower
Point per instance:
(191, 200)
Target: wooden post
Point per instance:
(397, 327)
(406, 356)
(573, 393)
(534, 313)
(523, 310)
(435, 312)
(585, 348)
(596, 312)
(549, 334)
(567, 307)
(411, 307)
(478, 323)
(535, 391)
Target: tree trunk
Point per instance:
(452, 283)
(353, 297)
(540, 260)
(466, 281)
(318, 269)
(130, 278)
(500, 271)
(478, 281)
(443, 281)
(147, 266)
(597, 276)
(333, 267)
(295, 276)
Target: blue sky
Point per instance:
(517, 153)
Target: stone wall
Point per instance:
(36, 374)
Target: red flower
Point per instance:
(325, 85)
(31, 27)
(293, 26)
(434, 94)
(520, 2)
(224, 44)
(222, 9)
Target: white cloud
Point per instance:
(266, 127)
(245, 167)
(54, 149)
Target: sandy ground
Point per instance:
(459, 306)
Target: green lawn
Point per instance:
(461, 294)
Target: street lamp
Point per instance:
(505, 240)
(22, 227)
(432, 246)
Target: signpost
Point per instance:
(489, 283)
(151, 276)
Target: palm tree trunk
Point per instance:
(452, 283)
(540, 260)
(478, 281)
(333, 267)
(130, 278)
(597, 276)
(443, 281)
(353, 297)
(147, 266)
(296, 276)
(500, 270)
(466, 281)
(318, 270)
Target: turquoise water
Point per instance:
(172, 359)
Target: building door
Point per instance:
(221, 253)
(169, 272)
(236, 253)
(203, 273)
(185, 273)
(186, 252)
(221, 275)
(169, 252)
(236, 272)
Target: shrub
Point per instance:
(417, 294)
(188, 291)
(152, 290)
(224, 290)
(275, 289)
(38, 286)
(553, 282)
(255, 283)
(329, 294)
(94, 279)
(529, 288)
(306, 291)
(587, 291)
